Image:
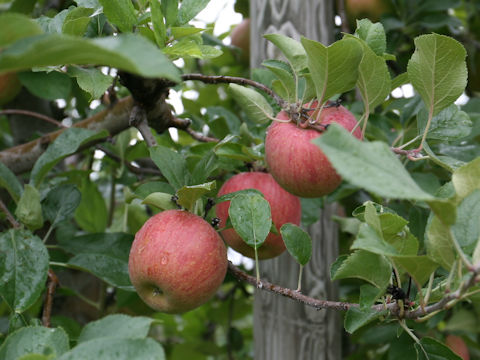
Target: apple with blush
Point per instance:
(240, 37)
(458, 346)
(298, 165)
(284, 206)
(9, 87)
(177, 261)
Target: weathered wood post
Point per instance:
(284, 329)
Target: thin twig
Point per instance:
(130, 166)
(32, 114)
(184, 124)
(15, 224)
(289, 293)
(393, 308)
(200, 137)
(236, 80)
(52, 284)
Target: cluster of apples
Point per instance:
(178, 260)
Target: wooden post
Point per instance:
(284, 329)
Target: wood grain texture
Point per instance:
(284, 329)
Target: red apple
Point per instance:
(240, 36)
(371, 9)
(284, 206)
(299, 166)
(9, 87)
(177, 261)
(458, 346)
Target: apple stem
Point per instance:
(410, 332)
(257, 268)
(299, 287)
(365, 121)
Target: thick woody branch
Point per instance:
(21, 158)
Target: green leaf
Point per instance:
(251, 218)
(91, 215)
(205, 167)
(153, 186)
(230, 196)
(53, 25)
(439, 243)
(356, 318)
(60, 203)
(467, 227)
(160, 200)
(465, 179)
(16, 27)
(179, 32)
(34, 340)
(374, 80)
(50, 86)
(116, 349)
(373, 35)
(158, 25)
(121, 13)
(9, 182)
(334, 69)
(116, 326)
(399, 80)
(418, 267)
(236, 151)
(188, 195)
(76, 21)
(449, 124)
(129, 52)
(298, 243)
(29, 209)
(253, 103)
(431, 349)
(23, 268)
(189, 9)
(65, 144)
(437, 70)
(285, 75)
(170, 10)
(360, 163)
(104, 255)
(91, 80)
(172, 165)
(368, 295)
(366, 266)
(368, 239)
(292, 49)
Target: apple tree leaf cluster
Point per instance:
(408, 184)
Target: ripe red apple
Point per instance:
(9, 87)
(458, 346)
(177, 261)
(299, 166)
(240, 36)
(284, 206)
(371, 9)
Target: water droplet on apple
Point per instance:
(164, 259)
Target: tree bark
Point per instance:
(284, 329)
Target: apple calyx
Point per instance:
(307, 117)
